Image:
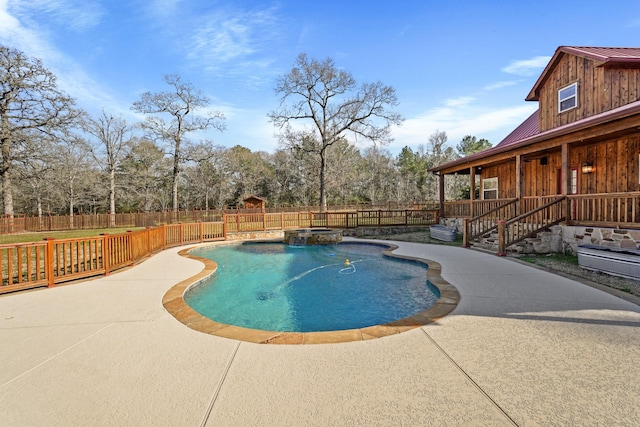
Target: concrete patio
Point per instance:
(524, 347)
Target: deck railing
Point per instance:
(607, 210)
(471, 208)
(53, 261)
(530, 223)
(487, 221)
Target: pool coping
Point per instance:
(173, 301)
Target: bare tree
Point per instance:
(144, 172)
(329, 99)
(31, 106)
(73, 170)
(181, 104)
(112, 134)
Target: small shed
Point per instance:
(254, 202)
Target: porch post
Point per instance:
(566, 178)
(472, 191)
(441, 194)
(519, 184)
(566, 181)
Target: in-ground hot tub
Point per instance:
(611, 260)
(312, 236)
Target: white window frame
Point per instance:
(489, 185)
(573, 187)
(562, 99)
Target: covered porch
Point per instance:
(578, 174)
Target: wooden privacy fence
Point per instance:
(53, 261)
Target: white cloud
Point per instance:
(34, 42)
(500, 85)
(74, 14)
(459, 121)
(527, 67)
(459, 102)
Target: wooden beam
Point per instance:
(519, 184)
(472, 191)
(441, 194)
(566, 180)
(619, 128)
(564, 172)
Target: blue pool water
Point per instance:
(276, 287)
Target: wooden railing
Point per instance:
(53, 261)
(236, 223)
(487, 221)
(463, 208)
(49, 222)
(530, 223)
(607, 210)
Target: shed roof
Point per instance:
(603, 56)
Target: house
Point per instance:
(573, 166)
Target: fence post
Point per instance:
(465, 232)
(201, 231)
(181, 235)
(310, 219)
(164, 236)
(502, 250)
(264, 221)
(224, 225)
(48, 262)
(106, 250)
(148, 237)
(130, 244)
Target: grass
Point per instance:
(36, 237)
(545, 259)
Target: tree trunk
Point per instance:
(7, 193)
(71, 206)
(176, 172)
(112, 197)
(323, 195)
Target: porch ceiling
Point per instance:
(612, 124)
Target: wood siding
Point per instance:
(506, 173)
(615, 162)
(600, 89)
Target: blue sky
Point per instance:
(463, 67)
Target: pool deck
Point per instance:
(523, 347)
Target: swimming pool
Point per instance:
(275, 287)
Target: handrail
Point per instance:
(530, 223)
(484, 223)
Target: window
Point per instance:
(568, 98)
(573, 186)
(490, 188)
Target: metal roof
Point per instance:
(510, 142)
(528, 128)
(605, 54)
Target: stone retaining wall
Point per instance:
(574, 236)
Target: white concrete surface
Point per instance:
(524, 347)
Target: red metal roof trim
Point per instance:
(607, 116)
